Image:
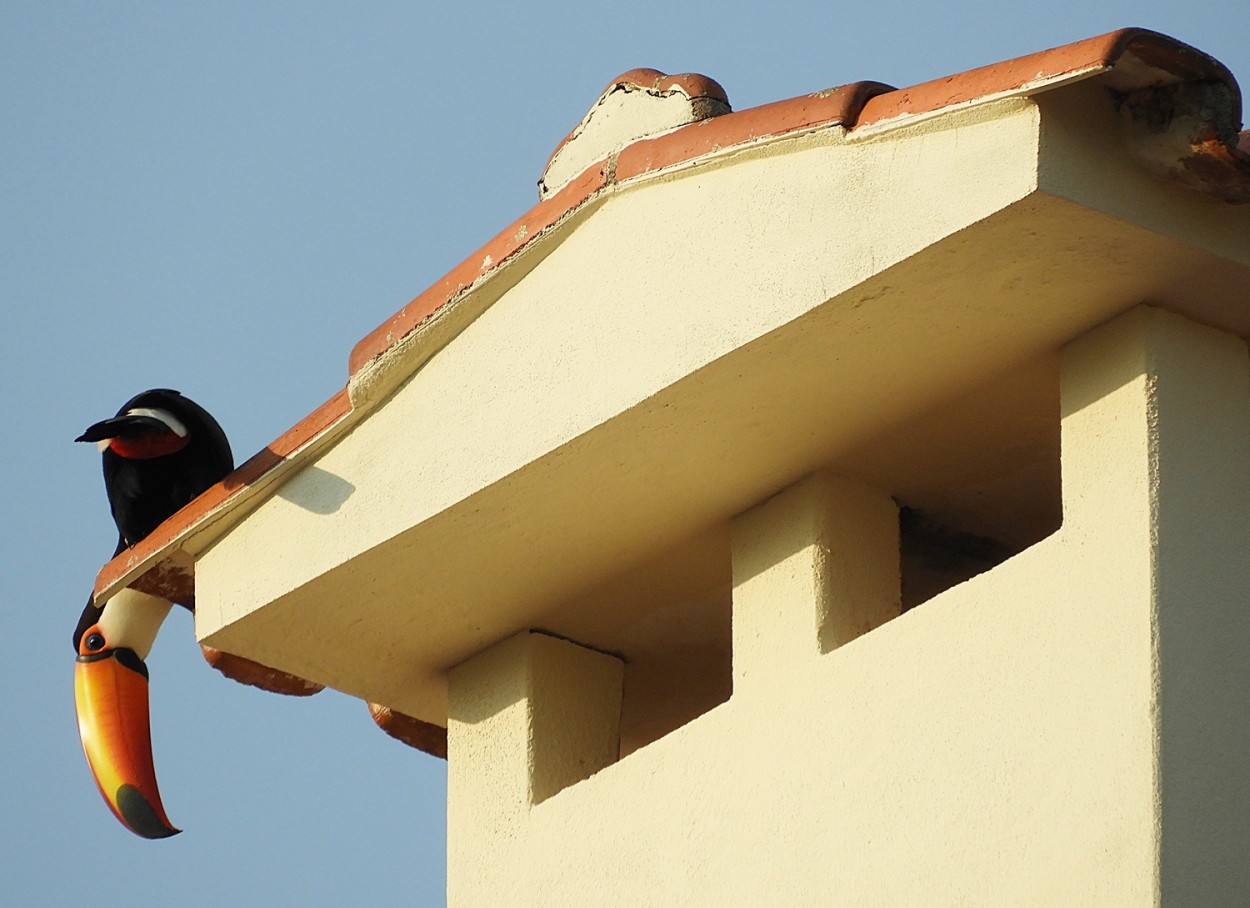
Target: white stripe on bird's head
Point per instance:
(173, 423)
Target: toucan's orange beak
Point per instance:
(111, 696)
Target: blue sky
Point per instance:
(223, 198)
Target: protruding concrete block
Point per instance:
(528, 717)
(540, 712)
(813, 568)
(1156, 460)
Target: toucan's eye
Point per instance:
(94, 642)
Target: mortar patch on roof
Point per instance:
(636, 104)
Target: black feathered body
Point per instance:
(143, 493)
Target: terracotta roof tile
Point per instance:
(694, 85)
(253, 674)
(1046, 67)
(831, 107)
(424, 736)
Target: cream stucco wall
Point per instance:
(1066, 729)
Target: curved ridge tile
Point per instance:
(636, 104)
(1156, 57)
(831, 107)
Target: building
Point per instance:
(841, 501)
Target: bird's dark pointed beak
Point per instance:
(111, 697)
(121, 427)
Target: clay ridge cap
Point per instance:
(692, 85)
(1046, 69)
(838, 106)
(1186, 128)
(1181, 108)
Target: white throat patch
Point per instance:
(132, 618)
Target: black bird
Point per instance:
(160, 451)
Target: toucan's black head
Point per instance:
(160, 451)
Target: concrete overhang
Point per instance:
(869, 281)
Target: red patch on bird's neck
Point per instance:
(146, 447)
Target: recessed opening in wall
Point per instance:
(976, 478)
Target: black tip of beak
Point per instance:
(121, 427)
(98, 432)
(139, 815)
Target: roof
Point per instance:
(1157, 81)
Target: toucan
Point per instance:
(160, 451)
